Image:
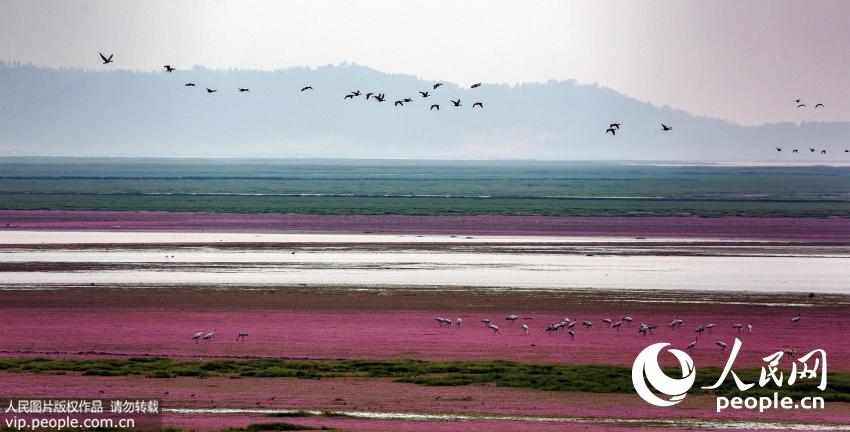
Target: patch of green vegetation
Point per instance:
(550, 377)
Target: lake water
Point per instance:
(334, 260)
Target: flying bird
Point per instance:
(435, 106)
(398, 103)
(478, 104)
(801, 105)
(437, 85)
(106, 60)
(169, 69)
(306, 88)
(811, 149)
(614, 125)
(189, 84)
(779, 149)
(665, 128)
(209, 90)
(407, 100)
(819, 105)
(476, 85)
(243, 90)
(368, 95)
(456, 103)
(424, 94)
(794, 151)
(612, 130)
(797, 100)
(356, 92)
(823, 152)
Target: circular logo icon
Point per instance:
(646, 369)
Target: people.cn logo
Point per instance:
(646, 369)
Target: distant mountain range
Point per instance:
(72, 112)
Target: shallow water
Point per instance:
(786, 271)
(654, 422)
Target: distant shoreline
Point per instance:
(831, 229)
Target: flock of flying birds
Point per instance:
(800, 104)
(381, 97)
(377, 97)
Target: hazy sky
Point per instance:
(744, 61)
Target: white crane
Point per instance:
(722, 346)
(628, 321)
(588, 325)
(796, 320)
(495, 328)
(512, 318)
(709, 326)
(441, 321)
(486, 322)
(617, 325)
(607, 322)
(458, 322)
(572, 334)
(525, 329)
(209, 336)
(197, 336)
(692, 345)
(738, 327)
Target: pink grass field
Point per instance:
(831, 229)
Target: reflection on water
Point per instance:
(330, 266)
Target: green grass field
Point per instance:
(421, 187)
(551, 377)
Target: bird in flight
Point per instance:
(614, 125)
(456, 103)
(437, 85)
(478, 104)
(398, 103)
(797, 100)
(819, 105)
(407, 100)
(356, 93)
(794, 151)
(812, 149)
(435, 106)
(189, 84)
(209, 90)
(779, 149)
(665, 128)
(169, 69)
(380, 97)
(823, 152)
(105, 59)
(424, 94)
(306, 88)
(801, 105)
(349, 96)
(612, 130)
(243, 90)
(476, 85)
(368, 95)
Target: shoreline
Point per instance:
(835, 229)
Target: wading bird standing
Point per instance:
(458, 322)
(512, 318)
(197, 336)
(722, 346)
(525, 329)
(209, 336)
(796, 320)
(691, 345)
(495, 328)
(443, 321)
(242, 336)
